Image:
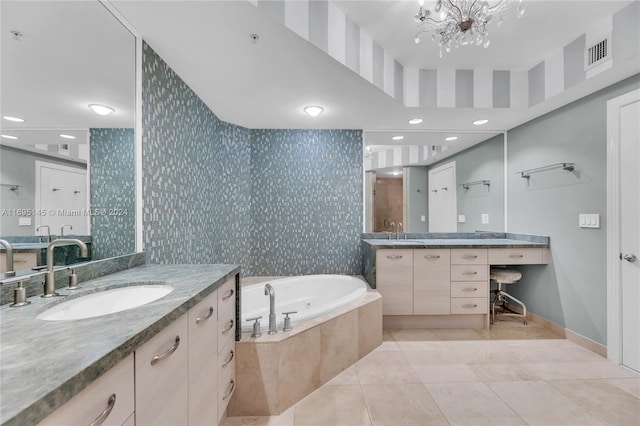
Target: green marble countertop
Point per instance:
(43, 364)
(453, 243)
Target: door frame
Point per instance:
(614, 286)
(452, 165)
(39, 165)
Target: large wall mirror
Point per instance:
(435, 187)
(66, 169)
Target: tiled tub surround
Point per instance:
(371, 242)
(275, 371)
(85, 271)
(44, 364)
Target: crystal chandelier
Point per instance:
(461, 22)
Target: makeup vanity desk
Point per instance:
(441, 280)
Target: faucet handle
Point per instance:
(19, 295)
(256, 326)
(287, 320)
(73, 280)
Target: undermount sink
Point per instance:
(105, 302)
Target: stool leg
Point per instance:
(524, 307)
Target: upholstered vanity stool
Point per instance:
(505, 276)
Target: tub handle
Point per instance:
(203, 319)
(226, 330)
(225, 298)
(256, 327)
(287, 320)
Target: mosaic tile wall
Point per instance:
(112, 180)
(196, 187)
(306, 201)
(277, 202)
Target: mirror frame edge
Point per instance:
(139, 243)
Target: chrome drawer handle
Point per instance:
(470, 273)
(226, 330)
(516, 256)
(432, 256)
(103, 416)
(470, 306)
(470, 256)
(203, 319)
(172, 349)
(470, 289)
(394, 256)
(233, 386)
(231, 355)
(225, 298)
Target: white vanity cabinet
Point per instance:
(161, 377)
(226, 362)
(431, 282)
(21, 260)
(203, 365)
(110, 398)
(395, 281)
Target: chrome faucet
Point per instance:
(48, 231)
(269, 291)
(9, 257)
(62, 229)
(49, 279)
(398, 226)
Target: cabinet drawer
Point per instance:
(203, 372)
(21, 260)
(515, 256)
(226, 377)
(87, 405)
(469, 305)
(386, 259)
(226, 296)
(469, 272)
(468, 256)
(470, 289)
(226, 328)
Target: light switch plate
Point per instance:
(485, 218)
(24, 221)
(462, 218)
(589, 220)
(423, 218)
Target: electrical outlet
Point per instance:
(485, 218)
(423, 218)
(462, 218)
(24, 221)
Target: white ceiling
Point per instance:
(265, 85)
(71, 54)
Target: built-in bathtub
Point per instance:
(339, 321)
(310, 296)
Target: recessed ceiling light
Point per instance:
(451, 138)
(398, 138)
(481, 121)
(67, 136)
(101, 109)
(396, 173)
(415, 121)
(16, 119)
(10, 137)
(313, 110)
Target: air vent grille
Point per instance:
(597, 53)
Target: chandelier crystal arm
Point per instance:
(452, 7)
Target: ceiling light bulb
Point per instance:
(451, 138)
(415, 121)
(16, 119)
(67, 136)
(10, 137)
(313, 110)
(101, 109)
(397, 138)
(397, 173)
(481, 121)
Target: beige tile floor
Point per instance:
(509, 375)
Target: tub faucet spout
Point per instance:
(269, 291)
